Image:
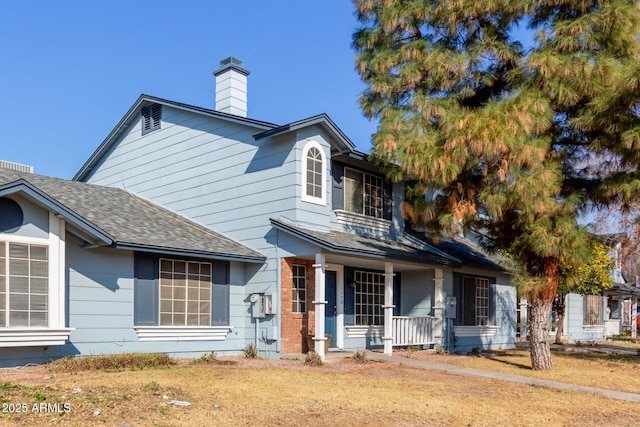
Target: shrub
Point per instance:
(313, 359)
(360, 356)
(207, 358)
(413, 348)
(112, 362)
(251, 351)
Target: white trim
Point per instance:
(388, 308)
(475, 331)
(322, 200)
(13, 238)
(593, 328)
(319, 303)
(33, 337)
(358, 331)
(177, 333)
(355, 219)
(56, 271)
(55, 333)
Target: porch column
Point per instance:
(634, 316)
(319, 305)
(438, 306)
(388, 308)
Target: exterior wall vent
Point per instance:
(15, 166)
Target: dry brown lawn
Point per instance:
(579, 366)
(283, 393)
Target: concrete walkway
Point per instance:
(480, 373)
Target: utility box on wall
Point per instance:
(262, 305)
(450, 307)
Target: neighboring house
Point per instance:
(315, 242)
(596, 317)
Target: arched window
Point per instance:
(314, 174)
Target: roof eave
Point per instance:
(42, 198)
(190, 252)
(321, 119)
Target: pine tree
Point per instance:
(515, 139)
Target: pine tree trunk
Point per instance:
(540, 322)
(539, 335)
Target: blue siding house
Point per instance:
(192, 229)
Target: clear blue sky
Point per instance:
(70, 69)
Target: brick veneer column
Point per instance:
(295, 326)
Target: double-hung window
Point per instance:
(474, 301)
(180, 293)
(299, 290)
(24, 285)
(369, 298)
(185, 293)
(363, 193)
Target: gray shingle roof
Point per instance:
(471, 254)
(626, 288)
(134, 222)
(349, 243)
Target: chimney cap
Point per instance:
(231, 63)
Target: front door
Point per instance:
(330, 310)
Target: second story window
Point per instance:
(363, 193)
(313, 171)
(151, 118)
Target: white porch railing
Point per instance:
(412, 330)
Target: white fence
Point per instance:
(412, 330)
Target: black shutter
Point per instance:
(145, 290)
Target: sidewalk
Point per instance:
(479, 373)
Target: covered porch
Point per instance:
(622, 310)
(356, 292)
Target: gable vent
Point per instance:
(151, 118)
(15, 166)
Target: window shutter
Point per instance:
(457, 292)
(220, 294)
(145, 292)
(387, 191)
(337, 195)
(396, 294)
(349, 298)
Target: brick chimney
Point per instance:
(231, 87)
